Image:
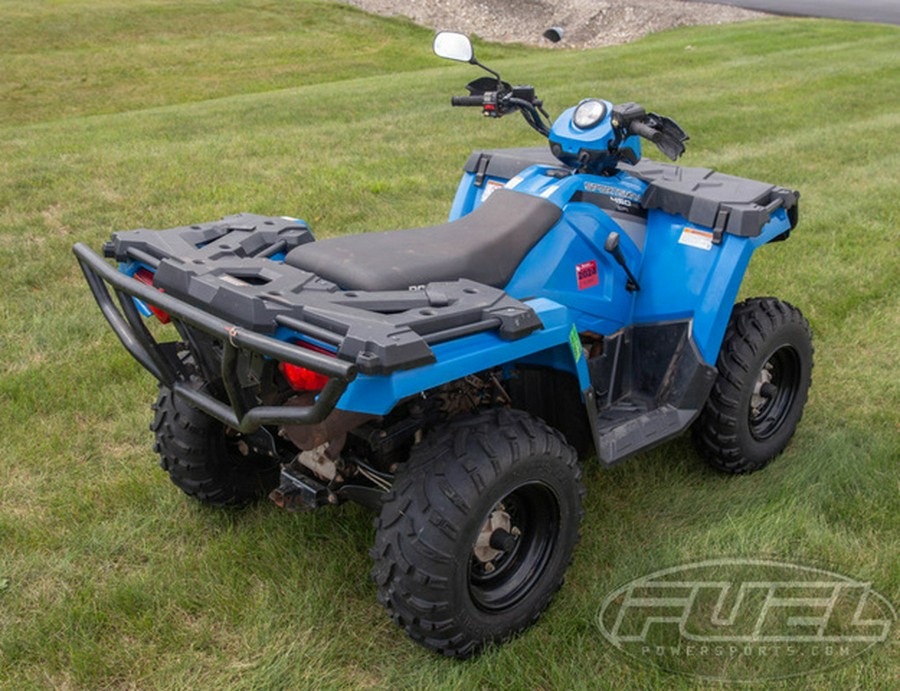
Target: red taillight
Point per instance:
(302, 379)
(145, 277)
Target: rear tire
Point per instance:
(765, 370)
(475, 536)
(206, 459)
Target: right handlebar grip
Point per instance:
(642, 130)
(466, 101)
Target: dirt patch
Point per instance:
(587, 23)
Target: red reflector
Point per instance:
(302, 379)
(145, 277)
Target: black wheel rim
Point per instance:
(774, 393)
(506, 580)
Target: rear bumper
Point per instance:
(128, 326)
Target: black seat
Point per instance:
(486, 245)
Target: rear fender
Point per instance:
(556, 346)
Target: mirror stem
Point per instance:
(474, 61)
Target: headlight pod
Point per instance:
(589, 113)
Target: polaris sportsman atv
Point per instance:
(579, 302)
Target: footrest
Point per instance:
(628, 427)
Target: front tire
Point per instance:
(207, 460)
(765, 370)
(475, 536)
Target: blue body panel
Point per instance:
(551, 268)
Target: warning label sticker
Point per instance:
(489, 188)
(692, 237)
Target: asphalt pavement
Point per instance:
(881, 11)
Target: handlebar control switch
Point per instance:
(624, 114)
(526, 93)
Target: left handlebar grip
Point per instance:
(466, 101)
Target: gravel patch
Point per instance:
(587, 23)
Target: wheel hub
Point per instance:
(774, 392)
(762, 389)
(513, 547)
(496, 537)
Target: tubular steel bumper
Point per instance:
(128, 325)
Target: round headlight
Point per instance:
(589, 113)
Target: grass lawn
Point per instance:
(117, 114)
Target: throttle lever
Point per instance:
(612, 246)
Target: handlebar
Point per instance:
(497, 99)
(467, 101)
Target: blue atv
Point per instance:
(579, 303)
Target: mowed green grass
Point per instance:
(153, 114)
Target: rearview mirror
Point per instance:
(453, 46)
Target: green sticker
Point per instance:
(575, 343)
